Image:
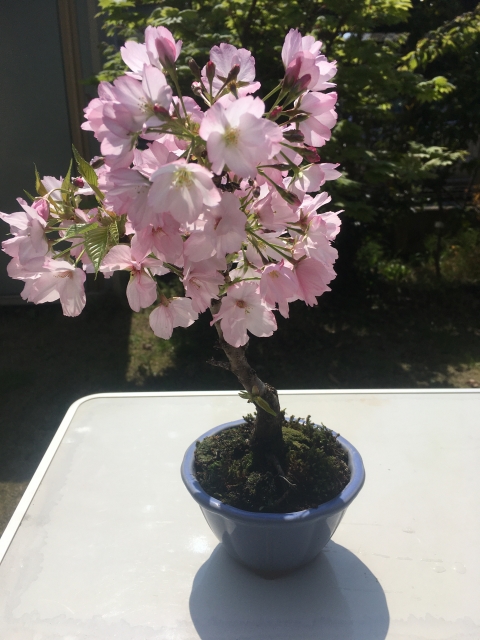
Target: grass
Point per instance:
(358, 337)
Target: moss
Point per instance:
(312, 469)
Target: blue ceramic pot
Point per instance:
(273, 543)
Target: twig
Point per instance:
(219, 363)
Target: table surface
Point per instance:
(106, 542)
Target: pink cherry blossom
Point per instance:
(163, 240)
(192, 111)
(161, 47)
(55, 280)
(278, 285)
(225, 57)
(244, 310)
(53, 187)
(315, 242)
(127, 192)
(228, 224)
(200, 244)
(117, 134)
(142, 99)
(312, 278)
(156, 90)
(311, 178)
(320, 106)
(274, 213)
(176, 312)
(120, 113)
(29, 243)
(135, 57)
(330, 171)
(308, 179)
(142, 288)
(182, 190)
(239, 137)
(93, 115)
(202, 192)
(152, 158)
(301, 56)
(201, 282)
(332, 222)
(267, 244)
(310, 205)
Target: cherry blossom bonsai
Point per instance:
(219, 189)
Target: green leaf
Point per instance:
(87, 172)
(231, 257)
(96, 245)
(67, 184)
(263, 404)
(29, 195)
(113, 233)
(121, 222)
(258, 400)
(188, 15)
(79, 230)
(39, 185)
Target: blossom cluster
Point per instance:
(224, 195)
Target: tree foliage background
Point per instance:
(409, 95)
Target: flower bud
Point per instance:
(310, 154)
(78, 182)
(288, 196)
(300, 117)
(97, 162)
(210, 72)
(197, 88)
(292, 73)
(294, 135)
(274, 113)
(159, 110)
(195, 69)
(166, 53)
(291, 198)
(233, 73)
(301, 84)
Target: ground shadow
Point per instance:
(334, 598)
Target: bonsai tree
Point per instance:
(221, 189)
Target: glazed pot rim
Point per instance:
(339, 503)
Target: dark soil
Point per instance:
(312, 470)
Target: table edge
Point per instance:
(32, 487)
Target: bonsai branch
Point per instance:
(268, 428)
(219, 363)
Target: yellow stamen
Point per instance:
(182, 178)
(231, 136)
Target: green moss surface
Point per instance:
(312, 470)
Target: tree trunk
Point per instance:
(267, 434)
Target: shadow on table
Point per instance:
(335, 598)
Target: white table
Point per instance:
(107, 544)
